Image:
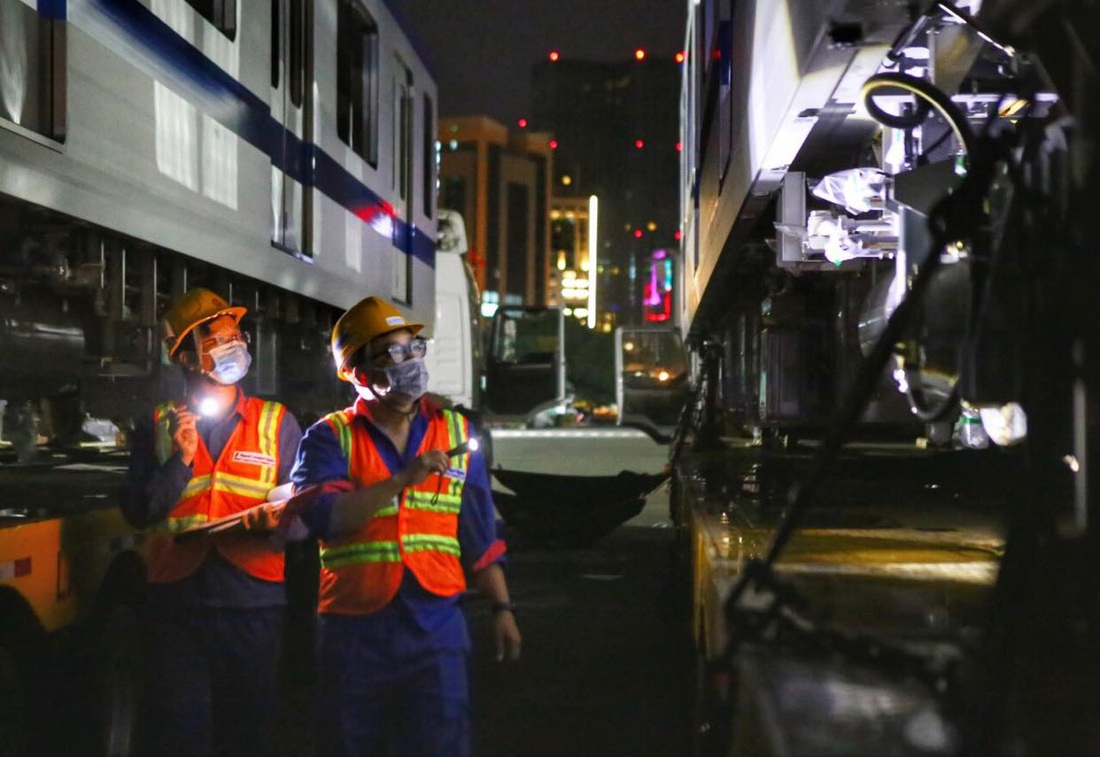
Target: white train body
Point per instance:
(183, 136)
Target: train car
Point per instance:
(880, 479)
(280, 153)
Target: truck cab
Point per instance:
(503, 372)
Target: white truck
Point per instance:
(504, 372)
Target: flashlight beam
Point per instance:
(470, 445)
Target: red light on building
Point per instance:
(554, 55)
(522, 123)
(679, 57)
(679, 147)
(553, 144)
(677, 236)
(637, 233)
(639, 54)
(638, 144)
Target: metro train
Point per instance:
(882, 478)
(281, 153)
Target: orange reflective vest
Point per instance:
(241, 477)
(361, 572)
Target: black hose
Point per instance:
(927, 94)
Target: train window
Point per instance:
(32, 59)
(297, 52)
(402, 131)
(221, 13)
(429, 156)
(276, 42)
(357, 80)
(296, 45)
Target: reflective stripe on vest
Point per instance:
(242, 477)
(419, 530)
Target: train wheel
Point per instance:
(118, 680)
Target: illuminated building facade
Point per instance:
(657, 287)
(500, 182)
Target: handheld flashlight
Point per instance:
(207, 407)
(470, 445)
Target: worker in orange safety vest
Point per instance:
(401, 523)
(216, 603)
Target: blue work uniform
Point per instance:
(395, 681)
(213, 636)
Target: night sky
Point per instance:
(482, 50)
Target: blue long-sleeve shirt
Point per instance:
(155, 489)
(321, 460)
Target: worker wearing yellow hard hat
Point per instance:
(216, 603)
(404, 516)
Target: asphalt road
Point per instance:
(607, 668)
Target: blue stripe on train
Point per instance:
(54, 9)
(165, 55)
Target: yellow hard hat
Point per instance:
(363, 322)
(189, 310)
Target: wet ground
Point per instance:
(607, 667)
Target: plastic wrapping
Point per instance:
(857, 190)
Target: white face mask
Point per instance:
(231, 362)
(409, 379)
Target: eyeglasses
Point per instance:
(399, 353)
(214, 341)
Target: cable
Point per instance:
(904, 121)
(926, 93)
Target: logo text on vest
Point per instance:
(255, 458)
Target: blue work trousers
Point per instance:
(385, 689)
(212, 680)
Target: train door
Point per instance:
(291, 64)
(403, 103)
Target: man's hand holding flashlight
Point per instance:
(432, 461)
(185, 437)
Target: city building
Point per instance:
(616, 137)
(572, 283)
(500, 182)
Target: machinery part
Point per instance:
(42, 340)
(927, 94)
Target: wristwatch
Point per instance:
(503, 607)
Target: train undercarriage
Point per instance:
(880, 478)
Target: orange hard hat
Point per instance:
(363, 322)
(191, 309)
